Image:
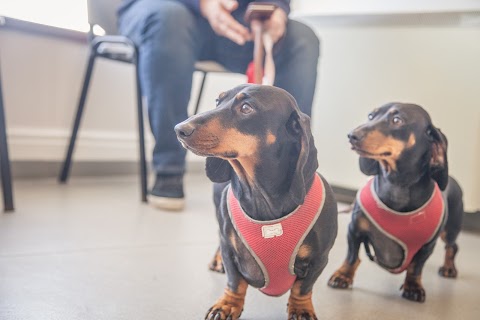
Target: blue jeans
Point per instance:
(171, 37)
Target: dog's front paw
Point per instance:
(300, 307)
(340, 281)
(228, 307)
(447, 271)
(301, 315)
(219, 314)
(413, 292)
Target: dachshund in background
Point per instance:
(277, 216)
(409, 202)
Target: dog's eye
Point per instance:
(246, 109)
(371, 116)
(217, 102)
(397, 120)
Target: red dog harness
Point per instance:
(274, 244)
(411, 230)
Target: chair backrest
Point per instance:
(104, 14)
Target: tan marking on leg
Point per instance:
(233, 240)
(230, 304)
(443, 236)
(411, 277)
(448, 270)
(412, 287)
(348, 269)
(450, 253)
(298, 304)
(343, 277)
(363, 224)
(304, 251)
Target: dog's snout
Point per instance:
(184, 129)
(353, 137)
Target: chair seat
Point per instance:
(116, 51)
(114, 47)
(210, 66)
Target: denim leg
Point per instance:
(169, 37)
(296, 60)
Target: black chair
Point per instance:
(4, 160)
(115, 47)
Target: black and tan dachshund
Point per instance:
(259, 145)
(409, 202)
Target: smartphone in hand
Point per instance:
(259, 11)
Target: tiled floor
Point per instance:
(90, 250)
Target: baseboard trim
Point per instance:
(23, 169)
(471, 222)
(345, 195)
(48, 145)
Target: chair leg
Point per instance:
(4, 161)
(76, 124)
(199, 97)
(141, 137)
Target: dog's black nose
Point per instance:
(184, 130)
(352, 137)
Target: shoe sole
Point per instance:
(164, 203)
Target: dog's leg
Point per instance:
(230, 304)
(343, 277)
(217, 264)
(300, 304)
(452, 229)
(412, 287)
(448, 270)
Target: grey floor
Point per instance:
(91, 250)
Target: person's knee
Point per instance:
(149, 22)
(170, 20)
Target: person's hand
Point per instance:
(218, 14)
(276, 25)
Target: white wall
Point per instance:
(313, 7)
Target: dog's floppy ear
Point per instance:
(218, 170)
(368, 166)
(438, 159)
(298, 125)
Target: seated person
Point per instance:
(173, 34)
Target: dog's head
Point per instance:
(401, 138)
(251, 127)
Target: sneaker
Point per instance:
(167, 193)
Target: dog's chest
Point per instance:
(408, 231)
(275, 244)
